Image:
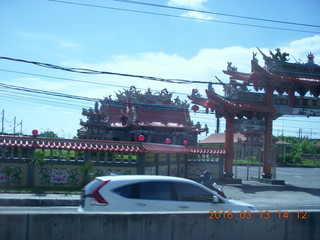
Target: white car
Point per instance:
(143, 193)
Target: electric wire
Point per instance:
(217, 13)
(78, 80)
(55, 94)
(90, 71)
(185, 17)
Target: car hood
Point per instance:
(240, 203)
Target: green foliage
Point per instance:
(87, 168)
(298, 148)
(284, 159)
(8, 170)
(48, 134)
(307, 147)
(37, 158)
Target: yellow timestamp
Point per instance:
(303, 215)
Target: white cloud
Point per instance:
(193, 4)
(300, 48)
(197, 15)
(204, 66)
(60, 41)
(197, 4)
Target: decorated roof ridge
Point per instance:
(207, 150)
(238, 75)
(240, 105)
(103, 146)
(149, 97)
(199, 101)
(259, 71)
(278, 63)
(37, 138)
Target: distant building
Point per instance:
(218, 139)
(136, 116)
(245, 144)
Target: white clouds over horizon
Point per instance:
(192, 4)
(197, 4)
(203, 66)
(61, 42)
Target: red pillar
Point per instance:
(291, 98)
(267, 145)
(229, 146)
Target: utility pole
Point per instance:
(218, 125)
(21, 126)
(14, 125)
(2, 129)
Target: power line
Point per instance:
(217, 13)
(60, 78)
(32, 90)
(204, 115)
(184, 17)
(90, 71)
(78, 80)
(37, 99)
(57, 94)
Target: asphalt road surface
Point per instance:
(301, 189)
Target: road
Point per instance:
(301, 189)
(299, 177)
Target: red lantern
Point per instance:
(141, 138)
(168, 141)
(195, 108)
(185, 142)
(35, 132)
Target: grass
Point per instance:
(241, 161)
(309, 163)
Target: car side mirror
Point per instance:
(215, 199)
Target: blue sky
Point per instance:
(101, 38)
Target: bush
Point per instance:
(285, 159)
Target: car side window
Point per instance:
(129, 191)
(190, 192)
(155, 191)
(146, 190)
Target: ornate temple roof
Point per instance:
(277, 73)
(279, 65)
(239, 105)
(149, 109)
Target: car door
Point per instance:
(154, 196)
(191, 197)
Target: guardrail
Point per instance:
(247, 225)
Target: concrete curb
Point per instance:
(38, 202)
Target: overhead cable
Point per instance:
(185, 17)
(90, 71)
(217, 13)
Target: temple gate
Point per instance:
(281, 89)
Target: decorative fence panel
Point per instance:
(66, 163)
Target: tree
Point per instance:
(48, 134)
